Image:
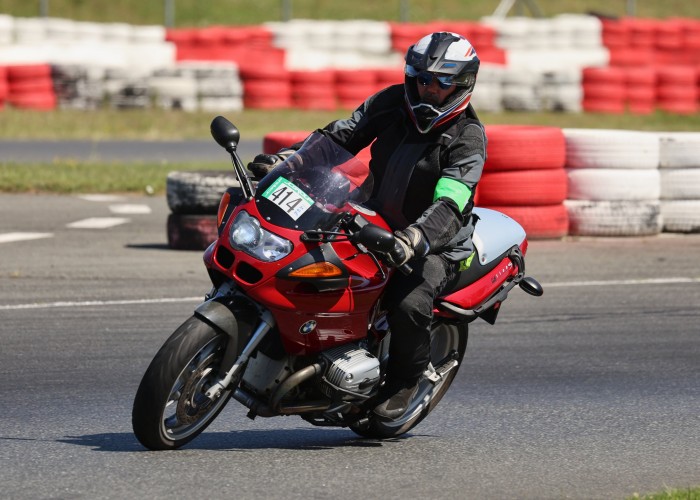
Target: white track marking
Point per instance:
(97, 223)
(12, 237)
(130, 209)
(94, 303)
(89, 303)
(101, 197)
(650, 281)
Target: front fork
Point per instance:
(267, 322)
(224, 317)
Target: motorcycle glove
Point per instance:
(408, 243)
(264, 163)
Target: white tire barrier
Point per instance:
(614, 218)
(594, 148)
(680, 183)
(679, 149)
(681, 216)
(613, 174)
(600, 184)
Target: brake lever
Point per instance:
(316, 235)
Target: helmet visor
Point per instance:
(425, 78)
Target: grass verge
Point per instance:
(670, 494)
(73, 177)
(158, 124)
(198, 13)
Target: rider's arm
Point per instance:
(453, 198)
(362, 127)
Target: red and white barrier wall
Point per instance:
(582, 182)
(565, 63)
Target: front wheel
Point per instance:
(448, 343)
(171, 407)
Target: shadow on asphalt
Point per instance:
(283, 439)
(149, 246)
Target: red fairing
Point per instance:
(476, 293)
(340, 315)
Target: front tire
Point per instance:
(447, 342)
(171, 407)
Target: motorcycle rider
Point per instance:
(428, 150)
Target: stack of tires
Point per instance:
(604, 90)
(313, 90)
(488, 93)
(266, 86)
(613, 182)
(31, 87)
(126, 91)
(353, 86)
(193, 198)
(219, 86)
(679, 159)
(524, 178)
(174, 91)
(640, 89)
(3, 86)
(677, 90)
(76, 87)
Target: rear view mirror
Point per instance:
(225, 133)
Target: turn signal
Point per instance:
(223, 205)
(317, 270)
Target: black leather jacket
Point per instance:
(408, 165)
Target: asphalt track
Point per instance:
(186, 151)
(591, 391)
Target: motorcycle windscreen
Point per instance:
(312, 188)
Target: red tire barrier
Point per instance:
(542, 222)
(28, 72)
(274, 141)
(30, 87)
(313, 90)
(389, 76)
(523, 187)
(518, 147)
(191, 232)
(604, 90)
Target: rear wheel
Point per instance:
(448, 343)
(171, 407)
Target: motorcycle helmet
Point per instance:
(451, 59)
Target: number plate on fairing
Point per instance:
(288, 197)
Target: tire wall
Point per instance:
(193, 198)
(554, 182)
(565, 63)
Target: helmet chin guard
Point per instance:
(454, 59)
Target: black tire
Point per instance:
(198, 192)
(170, 407)
(191, 232)
(444, 340)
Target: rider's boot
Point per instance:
(394, 397)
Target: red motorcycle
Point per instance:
(294, 323)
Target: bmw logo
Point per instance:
(307, 327)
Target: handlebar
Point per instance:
(376, 239)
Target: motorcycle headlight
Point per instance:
(247, 235)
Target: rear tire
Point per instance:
(444, 340)
(170, 407)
